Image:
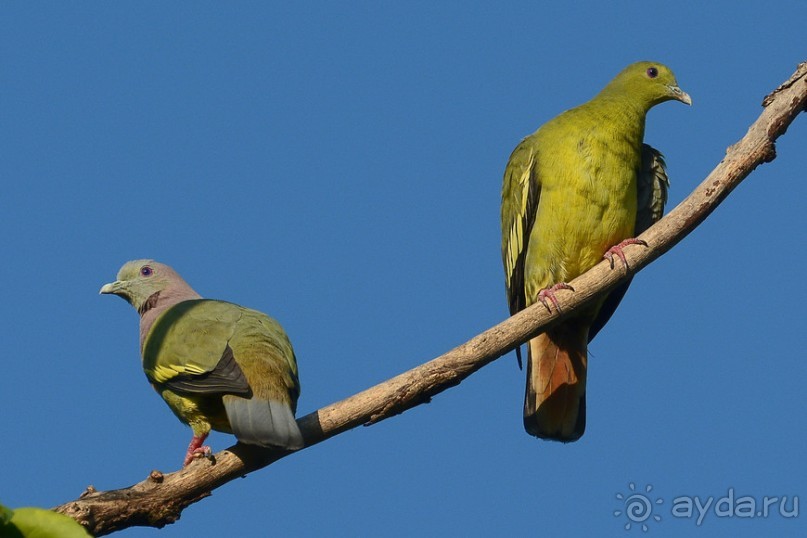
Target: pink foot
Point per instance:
(196, 449)
(549, 293)
(617, 250)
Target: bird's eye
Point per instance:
(146, 271)
(652, 72)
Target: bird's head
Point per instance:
(144, 282)
(647, 83)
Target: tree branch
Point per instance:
(160, 499)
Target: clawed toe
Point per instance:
(549, 293)
(200, 452)
(616, 250)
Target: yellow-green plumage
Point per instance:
(571, 191)
(216, 364)
(190, 339)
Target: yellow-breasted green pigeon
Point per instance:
(579, 189)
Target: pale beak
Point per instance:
(113, 288)
(680, 95)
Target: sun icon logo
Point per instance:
(638, 507)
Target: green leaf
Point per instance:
(32, 522)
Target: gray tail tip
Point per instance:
(263, 423)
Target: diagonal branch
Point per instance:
(160, 499)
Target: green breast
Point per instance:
(588, 172)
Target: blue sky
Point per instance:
(340, 169)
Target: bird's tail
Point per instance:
(262, 422)
(555, 399)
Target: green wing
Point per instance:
(521, 191)
(187, 347)
(204, 346)
(652, 187)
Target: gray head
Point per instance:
(146, 283)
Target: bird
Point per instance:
(577, 190)
(216, 364)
